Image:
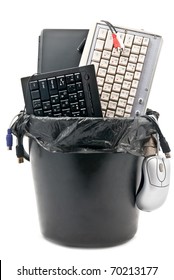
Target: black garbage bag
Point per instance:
(86, 135)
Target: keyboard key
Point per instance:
(116, 87)
(135, 83)
(80, 94)
(35, 94)
(74, 107)
(128, 40)
(131, 67)
(110, 114)
(66, 113)
(131, 100)
(54, 99)
(114, 61)
(141, 58)
(52, 85)
(124, 94)
(135, 49)
(48, 113)
(107, 87)
(120, 112)
(112, 105)
(106, 54)
(77, 77)
(96, 56)
(100, 81)
(104, 105)
(101, 72)
(133, 58)
(99, 45)
(145, 41)
(105, 96)
(126, 85)
(114, 96)
(37, 104)
(64, 104)
(44, 89)
(138, 40)
(139, 67)
(82, 104)
(46, 105)
(137, 75)
(38, 112)
(122, 103)
(102, 33)
(73, 98)
(76, 114)
(109, 79)
(104, 63)
(56, 108)
(79, 86)
(119, 78)
(109, 42)
(112, 69)
(63, 94)
(34, 85)
(121, 69)
(70, 79)
(123, 61)
(61, 82)
(71, 88)
(83, 112)
(129, 76)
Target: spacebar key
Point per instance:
(43, 89)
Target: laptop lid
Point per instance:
(58, 48)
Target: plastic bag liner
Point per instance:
(86, 135)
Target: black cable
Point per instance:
(163, 143)
(116, 41)
(111, 27)
(17, 129)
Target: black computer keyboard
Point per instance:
(71, 92)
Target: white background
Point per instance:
(21, 242)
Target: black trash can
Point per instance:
(85, 176)
(85, 200)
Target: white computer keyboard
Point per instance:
(124, 76)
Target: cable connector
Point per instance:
(9, 139)
(116, 42)
(164, 146)
(20, 153)
(163, 143)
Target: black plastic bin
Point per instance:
(85, 173)
(85, 199)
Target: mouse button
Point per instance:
(152, 165)
(161, 170)
(166, 181)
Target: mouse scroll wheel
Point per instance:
(161, 167)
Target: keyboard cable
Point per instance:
(117, 42)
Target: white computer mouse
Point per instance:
(156, 174)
